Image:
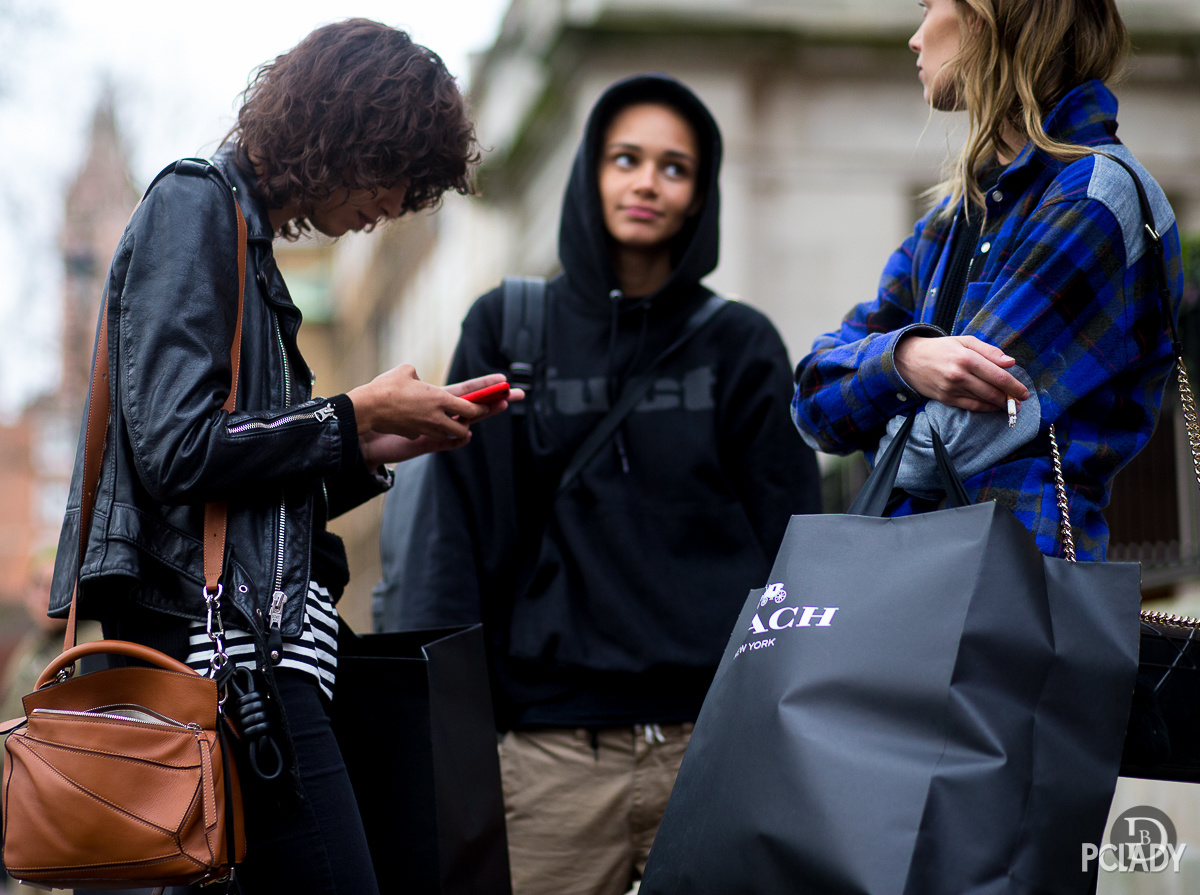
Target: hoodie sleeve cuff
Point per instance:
(347, 431)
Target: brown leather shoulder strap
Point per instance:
(99, 412)
(216, 513)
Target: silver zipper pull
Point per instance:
(325, 413)
(277, 600)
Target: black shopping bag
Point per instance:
(913, 706)
(413, 717)
(1163, 740)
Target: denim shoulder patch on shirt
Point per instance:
(1111, 186)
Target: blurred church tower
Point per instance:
(39, 450)
(98, 204)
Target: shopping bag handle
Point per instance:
(876, 493)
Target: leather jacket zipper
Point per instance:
(278, 597)
(320, 415)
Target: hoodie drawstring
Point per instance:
(615, 296)
(619, 440)
(614, 299)
(654, 734)
(611, 380)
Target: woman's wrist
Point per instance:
(359, 400)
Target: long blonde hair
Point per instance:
(1016, 60)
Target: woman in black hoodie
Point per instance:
(607, 602)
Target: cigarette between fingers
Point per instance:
(1012, 412)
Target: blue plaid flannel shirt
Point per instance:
(1062, 283)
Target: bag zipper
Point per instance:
(121, 712)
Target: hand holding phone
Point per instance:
(489, 395)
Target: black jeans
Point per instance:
(319, 845)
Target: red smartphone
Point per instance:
(489, 395)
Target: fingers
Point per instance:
(980, 387)
(426, 444)
(995, 368)
(991, 352)
(467, 411)
(498, 407)
(983, 381)
(435, 445)
(473, 385)
(378, 448)
(398, 403)
(961, 371)
(449, 428)
(489, 409)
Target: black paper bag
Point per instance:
(413, 717)
(913, 706)
(1163, 740)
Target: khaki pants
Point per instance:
(582, 807)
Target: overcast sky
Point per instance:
(176, 70)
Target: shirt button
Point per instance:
(985, 247)
(997, 196)
(900, 396)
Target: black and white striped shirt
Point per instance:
(314, 653)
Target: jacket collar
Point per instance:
(1086, 116)
(233, 164)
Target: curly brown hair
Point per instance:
(355, 105)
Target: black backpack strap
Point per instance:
(523, 334)
(635, 389)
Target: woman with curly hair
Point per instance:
(355, 125)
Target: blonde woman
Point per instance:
(1030, 280)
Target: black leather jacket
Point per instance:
(284, 461)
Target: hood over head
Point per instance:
(582, 238)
